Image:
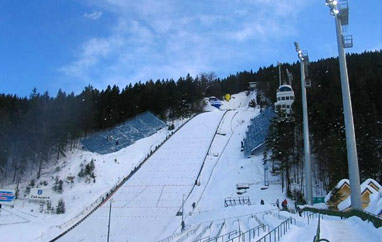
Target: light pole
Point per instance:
(108, 225)
(341, 16)
(304, 60)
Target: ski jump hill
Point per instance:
(152, 197)
(196, 186)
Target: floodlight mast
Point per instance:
(307, 161)
(355, 188)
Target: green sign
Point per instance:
(318, 199)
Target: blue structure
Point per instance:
(123, 135)
(215, 102)
(258, 131)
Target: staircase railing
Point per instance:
(248, 235)
(317, 236)
(275, 234)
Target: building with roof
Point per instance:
(339, 197)
(284, 99)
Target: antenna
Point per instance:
(279, 64)
(290, 77)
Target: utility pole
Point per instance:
(341, 16)
(304, 60)
(108, 226)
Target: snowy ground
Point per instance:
(335, 230)
(226, 167)
(149, 200)
(109, 169)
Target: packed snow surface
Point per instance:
(152, 197)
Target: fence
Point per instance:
(229, 201)
(275, 234)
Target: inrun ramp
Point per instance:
(149, 201)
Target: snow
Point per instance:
(202, 165)
(80, 196)
(349, 230)
(151, 198)
(367, 181)
(375, 205)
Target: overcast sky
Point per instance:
(68, 44)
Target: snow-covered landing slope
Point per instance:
(79, 195)
(150, 199)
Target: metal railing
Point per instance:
(225, 237)
(199, 237)
(310, 215)
(377, 222)
(236, 236)
(229, 201)
(316, 238)
(275, 234)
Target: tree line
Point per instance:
(36, 131)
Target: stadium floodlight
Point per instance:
(341, 16)
(308, 170)
(332, 4)
(108, 224)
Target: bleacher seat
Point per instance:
(257, 131)
(123, 135)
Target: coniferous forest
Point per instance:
(36, 131)
(326, 122)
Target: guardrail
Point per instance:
(275, 234)
(377, 222)
(79, 218)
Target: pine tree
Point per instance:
(60, 209)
